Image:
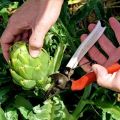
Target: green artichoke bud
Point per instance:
(27, 71)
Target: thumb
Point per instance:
(36, 42)
(103, 78)
(99, 70)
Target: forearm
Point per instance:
(50, 8)
(49, 13)
(51, 3)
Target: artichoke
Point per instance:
(27, 71)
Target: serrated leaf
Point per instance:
(2, 115)
(51, 110)
(11, 113)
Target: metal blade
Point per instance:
(86, 45)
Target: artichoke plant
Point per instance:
(27, 71)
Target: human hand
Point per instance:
(110, 81)
(30, 22)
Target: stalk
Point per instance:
(81, 104)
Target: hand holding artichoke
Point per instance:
(29, 72)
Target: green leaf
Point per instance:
(106, 106)
(51, 110)
(41, 113)
(3, 93)
(58, 56)
(59, 110)
(81, 104)
(2, 115)
(99, 10)
(11, 113)
(5, 8)
(82, 13)
(103, 115)
(23, 105)
(85, 10)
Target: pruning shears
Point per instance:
(63, 79)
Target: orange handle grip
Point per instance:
(91, 77)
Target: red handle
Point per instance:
(91, 77)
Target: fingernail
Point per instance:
(34, 53)
(111, 18)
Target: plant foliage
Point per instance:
(93, 103)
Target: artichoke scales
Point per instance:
(27, 71)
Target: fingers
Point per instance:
(22, 37)
(94, 53)
(35, 45)
(47, 17)
(25, 36)
(9, 36)
(110, 81)
(114, 57)
(17, 38)
(114, 54)
(104, 42)
(103, 78)
(116, 82)
(36, 39)
(85, 64)
(6, 40)
(115, 25)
